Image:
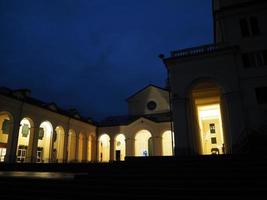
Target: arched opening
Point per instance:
(89, 148)
(72, 146)
(104, 148)
(25, 130)
(120, 147)
(167, 143)
(143, 143)
(6, 126)
(81, 147)
(58, 146)
(207, 120)
(44, 142)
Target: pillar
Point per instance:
(65, 148)
(12, 141)
(157, 146)
(111, 148)
(129, 143)
(85, 149)
(181, 137)
(233, 119)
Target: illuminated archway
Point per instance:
(207, 123)
(6, 126)
(58, 146)
(143, 143)
(81, 147)
(120, 147)
(104, 148)
(72, 146)
(45, 135)
(25, 130)
(167, 143)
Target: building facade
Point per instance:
(219, 91)
(38, 132)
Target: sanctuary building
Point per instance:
(216, 103)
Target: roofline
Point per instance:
(46, 108)
(149, 85)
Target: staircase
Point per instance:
(203, 177)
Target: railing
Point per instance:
(200, 50)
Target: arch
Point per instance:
(71, 146)
(44, 148)
(167, 143)
(25, 131)
(104, 148)
(120, 147)
(81, 147)
(205, 113)
(58, 144)
(6, 128)
(143, 143)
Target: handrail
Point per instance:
(200, 50)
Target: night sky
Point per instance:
(93, 54)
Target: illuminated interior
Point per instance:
(211, 131)
(72, 146)
(5, 124)
(81, 146)
(23, 140)
(44, 142)
(104, 148)
(120, 147)
(143, 143)
(208, 123)
(167, 145)
(58, 144)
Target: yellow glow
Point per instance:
(141, 143)
(72, 146)
(120, 145)
(104, 148)
(167, 144)
(59, 144)
(210, 116)
(46, 142)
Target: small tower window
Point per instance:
(249, 26)
(151, 105)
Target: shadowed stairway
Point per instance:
(203, 177)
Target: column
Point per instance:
(233, 117)
(129, 143)
(181, 135)
(111, 148)
(65, 148)
(157, 146)
(77, 141)
(85, 149)
(12, 141)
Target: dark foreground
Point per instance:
(204, 177)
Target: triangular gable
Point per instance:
(145, 88)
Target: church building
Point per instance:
(215, 103)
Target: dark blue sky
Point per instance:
(93, 54)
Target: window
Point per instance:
(212, 128)
(39, 155)
(2, 154)
(249, 26)
(213, 140)
(261, 95)
(41, 133)
(254, 59)
(25, 130)
(22, 152)
(151, 105)
(5, 126)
